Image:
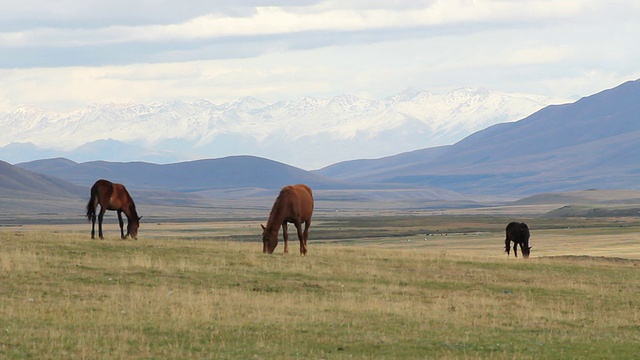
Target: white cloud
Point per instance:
(281, 20)
(71, 53)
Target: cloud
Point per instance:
(70, 53)
(263, 21)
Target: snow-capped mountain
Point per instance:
(308, 133)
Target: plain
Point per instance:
(371, 287)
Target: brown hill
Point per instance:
(16, 182)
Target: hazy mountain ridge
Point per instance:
(231, 181)
(211, 176)
(307, 133)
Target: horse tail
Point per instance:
(91, 205)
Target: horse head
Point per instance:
(132, 227)
(269, 240)
(526, 251)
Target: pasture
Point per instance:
(393, 286)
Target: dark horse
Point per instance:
(111, 196)
(519, 234)
(293, 205)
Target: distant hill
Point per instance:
(19, 152)
(361, 170)
(25, 192)
(603, 197)
(234, 176)
(192, 176)
(595, 211)
(20, 183)
(592, 143)
(588, 203)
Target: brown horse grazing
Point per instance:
(293, 205)
(111, 196)
(519, 234)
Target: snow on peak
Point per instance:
(320, 131)
(408, 94)
(246, 103)
(348, 103)
(203, 103)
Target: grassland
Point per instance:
(371, 287)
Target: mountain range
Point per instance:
(307, 133)
(229, 177)
(592, 143)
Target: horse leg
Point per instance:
(121, 224)
(305, 234)
(285, 235)
(303, 248)
(507, 246)
(93, 225)
(100, 217)
(515, 249)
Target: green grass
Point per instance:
(65, 296)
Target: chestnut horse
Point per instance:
(293, 205)
(519, 234)
(111, 196)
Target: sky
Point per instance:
(66, 54)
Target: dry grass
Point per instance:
(186, 291)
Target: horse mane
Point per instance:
(132, 210)
(277, 205)
(132, 206)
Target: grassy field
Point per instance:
(385, 287)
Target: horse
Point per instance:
(112, 196)
(519, 234)
(294, 205)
